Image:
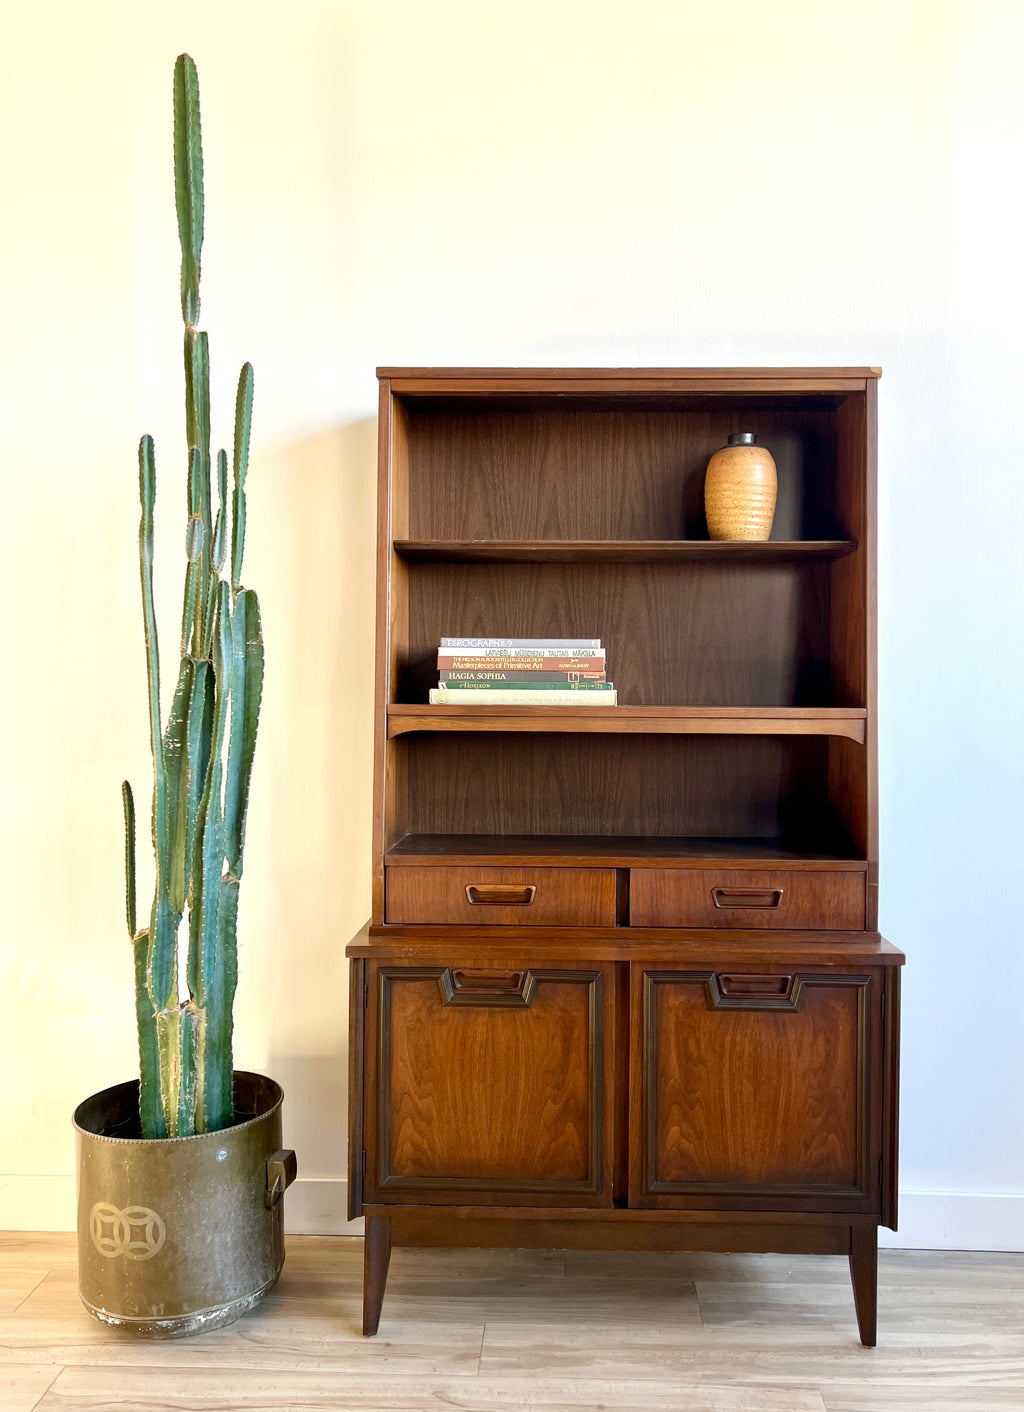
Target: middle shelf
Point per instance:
(847, 721)
(618, 551)
(827, 853)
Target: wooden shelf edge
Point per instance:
(496, 551)
(850, 723)
(735, 381)
(641, 374)
(487, 850)
(674, 948)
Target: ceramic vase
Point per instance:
(740, 489)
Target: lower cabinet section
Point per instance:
(625, 1104)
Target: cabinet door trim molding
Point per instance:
(521, 998)
(789, 1001)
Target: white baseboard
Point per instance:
(929, 1220)
(319, 1207)
(957, 1220)
(37, 1203)
(48, 1203)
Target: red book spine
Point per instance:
(447, 662)
(522, 678)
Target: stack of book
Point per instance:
(522, 671)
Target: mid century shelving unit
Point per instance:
(623, 987)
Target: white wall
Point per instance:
(476, 182)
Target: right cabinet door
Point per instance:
(755, 1089)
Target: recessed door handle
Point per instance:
(746, 896)
(754, 992)
(507, 990)
(500, 894)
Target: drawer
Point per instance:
(569, 897)
(732, 897)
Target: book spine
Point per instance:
(516, 677)
(460, 663)
(487, 696)
(542, 649)
(562, 643)
(560, 685)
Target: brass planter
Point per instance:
(179, 1235)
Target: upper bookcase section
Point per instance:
(603, 457)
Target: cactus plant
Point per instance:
(203, 754)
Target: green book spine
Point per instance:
(563, 684)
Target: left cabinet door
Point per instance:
(489, 1086)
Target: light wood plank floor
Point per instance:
(495, 1331)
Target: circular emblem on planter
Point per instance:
(136, 1232)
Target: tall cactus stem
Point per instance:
(188, 182)
(202, 758)
(129, 856)
(147, 497)
(243, 425)
(220, 528)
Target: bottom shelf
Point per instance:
(550, 850)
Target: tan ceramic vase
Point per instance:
(740, 489)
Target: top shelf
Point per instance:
(617, 551)
(624, 382)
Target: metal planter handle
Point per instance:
(281, 1171)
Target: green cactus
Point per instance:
(202, 756)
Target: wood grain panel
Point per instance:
(854, 625)
(741, 897)
(752, 1100)
(738, 633)
(489, 1098)
(572, 897)
(643, 785)
(481, 471)
(469, 1228)
(356, 1071)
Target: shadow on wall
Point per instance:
(310, 549)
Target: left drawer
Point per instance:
(566, 897)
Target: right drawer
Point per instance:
(730, 897)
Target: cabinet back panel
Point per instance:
(706, 786)
(676, 634)
(480, 472)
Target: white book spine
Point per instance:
(486, 696)
(562, 643)
(547, 650)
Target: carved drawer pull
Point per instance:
(500, 894)
(507, 989)
(751, 992)
(746, 896)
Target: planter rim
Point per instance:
(274, 1095)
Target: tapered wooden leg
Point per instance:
(376, 1258)
(864, 1274)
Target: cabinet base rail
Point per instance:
(755, 1233)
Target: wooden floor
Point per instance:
(490, 1331)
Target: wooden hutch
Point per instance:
(623, 987)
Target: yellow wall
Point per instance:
(475, 182)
